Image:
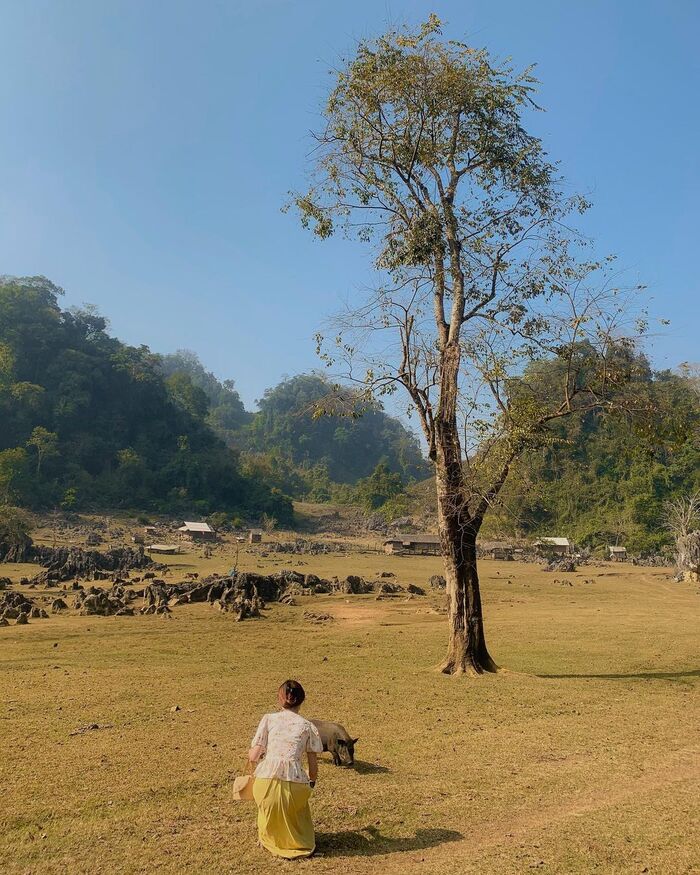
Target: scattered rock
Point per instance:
(389, 588)
(90, 727)
(13, 604)
(562, 564)
(353, 585)
(314, 617)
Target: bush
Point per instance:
(220, 521)
(15, 541)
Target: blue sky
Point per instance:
(146, 149)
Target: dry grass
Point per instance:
(583, 756)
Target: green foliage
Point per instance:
(14, 532)
(315, 435)
(70, 499)
(13, 473)
(220, 521)
(102, 424)
(380, 487)
(603, 479)
(225, 412)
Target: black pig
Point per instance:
(336, 740)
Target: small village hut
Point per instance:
(554, 547)
(197, 531)
(166, 549)
(415, 545)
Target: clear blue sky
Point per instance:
(146, 148)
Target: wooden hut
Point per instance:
(414, 545)
(255, 536)
(616, 554)
(554, 547)
(494, 550)
(197, 531)
(166, 549)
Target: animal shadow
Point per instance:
(369, 842)
(364, 768)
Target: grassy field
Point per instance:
(582, 756)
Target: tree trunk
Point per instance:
(466, 650)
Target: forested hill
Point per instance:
(305, 439)
(87, 421)
(215, 400)
(603, 479)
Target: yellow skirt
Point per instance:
(284, 817)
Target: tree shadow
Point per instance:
(369, 842)
(364, 768)
(642, 675)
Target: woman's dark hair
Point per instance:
(293, 693)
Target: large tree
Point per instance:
(425, 154)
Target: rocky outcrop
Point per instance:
(17, 606)
(67, 563)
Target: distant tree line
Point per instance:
(89, 422)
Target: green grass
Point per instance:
(583, 756)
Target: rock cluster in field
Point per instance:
(242, 594)
(96, 601)
(563, 564)
(68, 563)
(306, 547)
(18, 607)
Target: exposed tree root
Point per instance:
(469, 666)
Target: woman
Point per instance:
(282, 788)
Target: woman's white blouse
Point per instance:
(285, 736)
